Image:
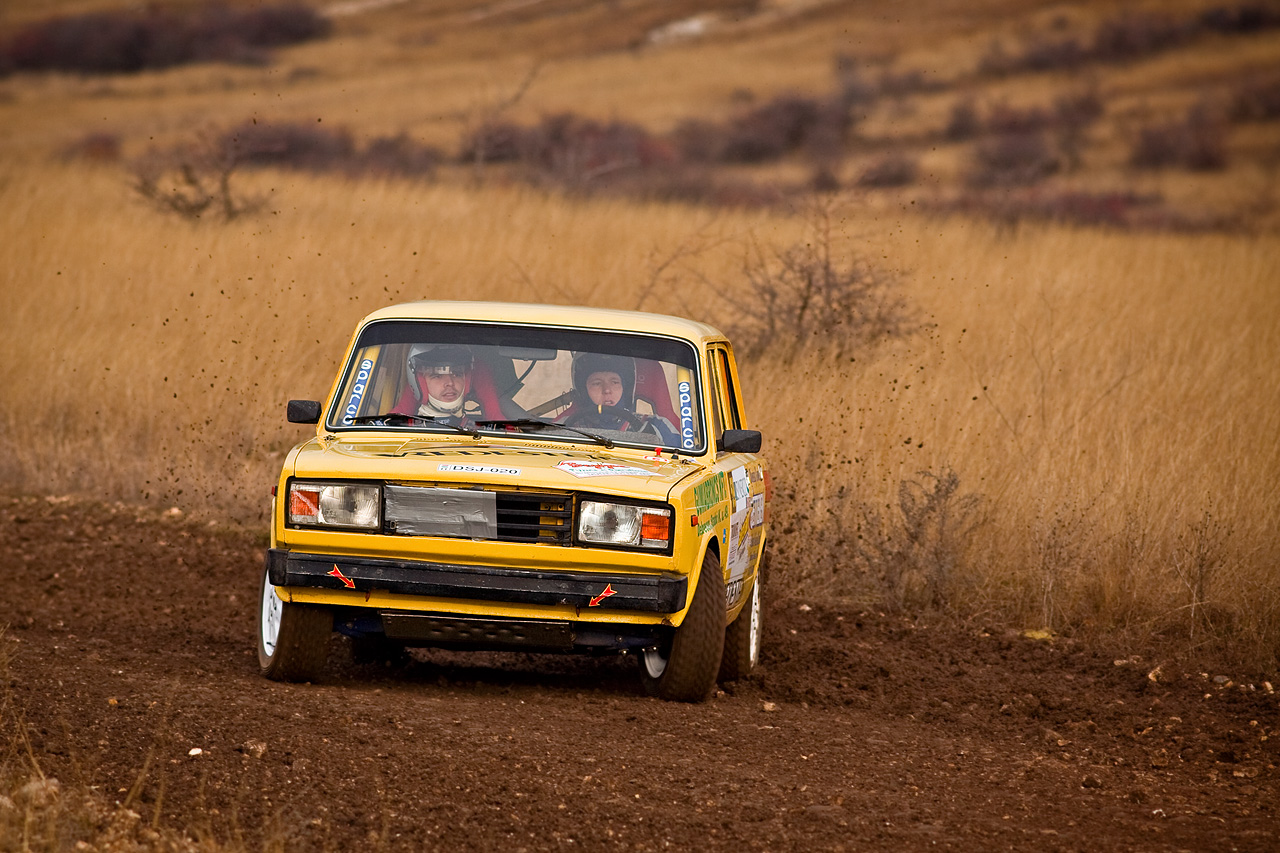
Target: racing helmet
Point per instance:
(437, 359)
(587, 363)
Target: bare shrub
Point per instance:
(996, 61)
(1053, 54)
(911, 81)
(1196, 563)
(1125, 37)
(1245, 18)
(1134, 35)
(783, 125)
(1012, 159)
(812, 294)
(1003, 118)
(569, 149)
(855, 93)
(1079, 108)
(495, 142)
(699, 140)
(574, 151)
(1256, 99)
(963, 122)
(892, 170)
(398, 156)
(194, 181)
(128, 41)
(1197, 142)
(915, 549)
(1073, 114)
(296, 145)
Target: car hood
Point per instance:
(619, 471)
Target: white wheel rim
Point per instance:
(272, 608)
(654, 662)
(755, 622)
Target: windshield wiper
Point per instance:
(537, 422)
(393, 418)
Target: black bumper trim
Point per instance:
(665, 593)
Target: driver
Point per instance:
(604, 397)
(440, 376)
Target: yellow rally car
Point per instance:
(526, 477)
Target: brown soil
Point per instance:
(131, 637)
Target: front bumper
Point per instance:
(662, 593)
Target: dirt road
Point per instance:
(131, 644)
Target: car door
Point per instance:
(743, 538)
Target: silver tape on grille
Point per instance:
(463, 513)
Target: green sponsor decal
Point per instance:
(708, 494)
(718, 516)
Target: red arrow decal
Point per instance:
(337, 573)
(608, 591)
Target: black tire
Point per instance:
(684, 668)
(742, 639)
(293, 639)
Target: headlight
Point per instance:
(624, 524)
(335, 505)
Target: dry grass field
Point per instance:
(1081, 435)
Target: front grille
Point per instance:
(534, 517)
(474, 513)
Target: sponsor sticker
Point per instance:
(478, 469)
(687, 438)
(708, 493)
(741, 489)
(357, 392)
(601, 469)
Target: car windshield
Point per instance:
(571, 384)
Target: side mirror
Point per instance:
(740, 441)
(304, 411)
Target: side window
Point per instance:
(715, 396)
(733, 418)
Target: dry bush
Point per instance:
(129, 41)
(1134, 35)
(1256, 99)
(194, 181)
(1128, 36)
(962, 122)
(1012, 160)
(917, 550)
(294, 145)
(568, 150)
(1242, 18)
(310, 147)
(892, 170)
(1197, 142)
(783, 125)
(814, 294)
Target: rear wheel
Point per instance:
(293, 639)
(742, 639)
(684, 667)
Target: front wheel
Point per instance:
(683, 668)
(293, 639)
(742, 639)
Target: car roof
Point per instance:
(570, 316)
